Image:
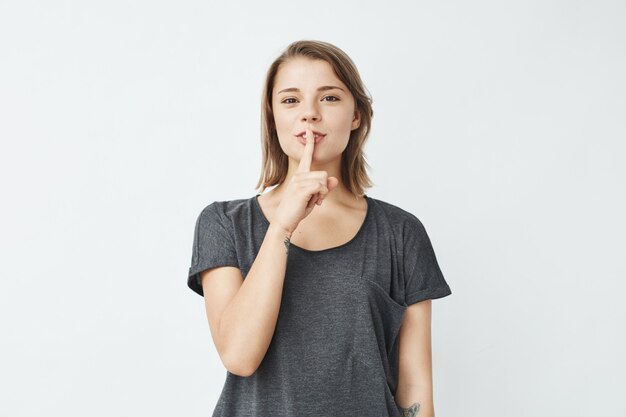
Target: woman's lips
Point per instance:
(302, 139)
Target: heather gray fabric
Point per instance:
(334, 349)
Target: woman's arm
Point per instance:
(245, 326)
(414, 395)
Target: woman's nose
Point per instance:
(310, 113)
(310, 118)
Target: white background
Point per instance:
(500, 125)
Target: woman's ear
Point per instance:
(356, 121)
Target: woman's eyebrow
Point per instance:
(323, 88)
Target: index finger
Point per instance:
(307, 154)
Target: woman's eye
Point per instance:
(286, 101)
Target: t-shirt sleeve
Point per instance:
(213, 245)
(423, 277)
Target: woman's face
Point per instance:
(309, 99)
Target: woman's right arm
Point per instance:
(243, 323)
(243, 313)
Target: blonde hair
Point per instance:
(353, 163)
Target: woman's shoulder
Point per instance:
(393, 212)
(402, 222)
(227, 209)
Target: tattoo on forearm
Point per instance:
(287, 242)
(411, 411)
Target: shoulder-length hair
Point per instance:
(353, 162)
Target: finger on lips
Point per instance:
(307, 154)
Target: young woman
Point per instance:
(318, 297)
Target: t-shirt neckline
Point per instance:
(353, 239)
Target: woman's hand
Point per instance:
(306, 189)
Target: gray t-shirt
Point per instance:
(334, 349)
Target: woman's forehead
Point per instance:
(306, 74)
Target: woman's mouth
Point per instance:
(318, 138)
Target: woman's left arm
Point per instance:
(414, 394)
